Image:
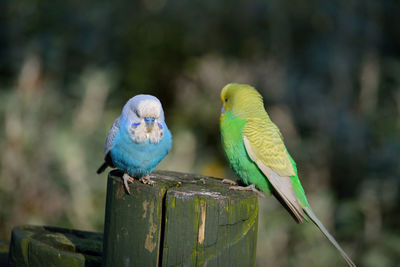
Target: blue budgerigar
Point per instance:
(138, 140)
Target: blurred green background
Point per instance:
(329, 72)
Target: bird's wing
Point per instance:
(267, 144)
(111, 135)
(265, 147)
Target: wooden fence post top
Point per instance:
(186, 185)
(182, 220)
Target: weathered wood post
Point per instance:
(53, 246)
(183, 220)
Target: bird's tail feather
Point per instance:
(321, 227)
(102, 168)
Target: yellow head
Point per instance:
(242, 100)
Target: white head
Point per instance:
(145, 118)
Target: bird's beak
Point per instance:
(149, 123)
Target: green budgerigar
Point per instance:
(255, 150)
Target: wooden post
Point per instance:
(52, 246)
(4, 249)
(183, 220)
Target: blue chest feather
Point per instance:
(138, 159)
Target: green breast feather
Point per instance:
(232, 141)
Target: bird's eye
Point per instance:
(226, 100)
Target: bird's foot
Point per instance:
(146, 180)
(228, 181)
(127, 179)
(248, 188)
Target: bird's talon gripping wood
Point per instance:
(228, 181)
(247, 188)
(147, 180)
(127, 179)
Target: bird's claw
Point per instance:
(228, 181)
(247, 188)
(146, 180)
(127, 179)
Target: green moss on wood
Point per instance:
(183, 220)
(51, 246)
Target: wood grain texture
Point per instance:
(184, 220)
(52, 246)
(132, 223)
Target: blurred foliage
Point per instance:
(329, 72)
